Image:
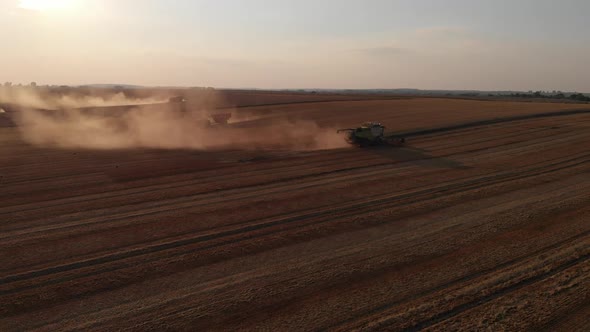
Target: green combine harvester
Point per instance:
(370, 134)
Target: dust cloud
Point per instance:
(32, 98)
(164, 126)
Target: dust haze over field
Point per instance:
(57, 121)
(474, 227)
(32, 98)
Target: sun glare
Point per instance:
(45, 5)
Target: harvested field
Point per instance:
(472, 227)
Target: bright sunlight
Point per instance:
(45, 5)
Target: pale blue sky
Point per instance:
(451, 44)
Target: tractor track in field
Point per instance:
(193, 292)
(485, 299)
(213, 179)
(572, 321)
(350, 210)
(164, 207)
(554, 245)
(487, 122)
(359, 320)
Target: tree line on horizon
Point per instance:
(553, 95)
(575, 96)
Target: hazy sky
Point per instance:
(445, 44)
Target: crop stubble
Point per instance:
(476, 227)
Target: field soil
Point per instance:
(484, 226)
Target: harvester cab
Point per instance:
(370, 133)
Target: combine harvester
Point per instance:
(371, 134)
(213, 119)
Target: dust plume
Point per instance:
(166, 126)
(40, 98)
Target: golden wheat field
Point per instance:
(481, 220)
